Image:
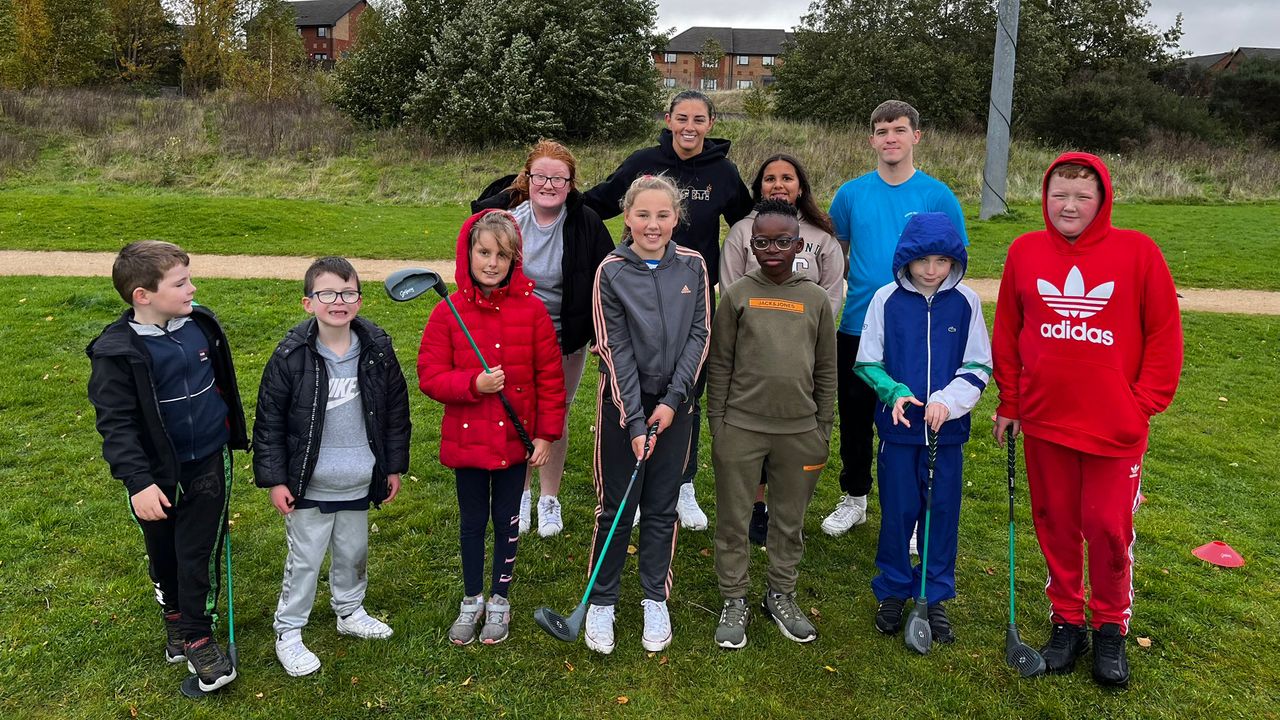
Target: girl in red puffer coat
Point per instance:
(513, 331)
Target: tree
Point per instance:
(392, 46)
(144, 41)
(1249, 98)
(55, 43)
(211, 43)
(274, 55)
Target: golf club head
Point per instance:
(562, 628)
(918, 635)
(406, 284)
(1020, 656)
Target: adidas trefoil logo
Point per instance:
(1072, 300)
(1133, 471)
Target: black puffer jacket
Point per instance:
(586, 242)
(291, 404)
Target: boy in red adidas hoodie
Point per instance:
(1087, 346)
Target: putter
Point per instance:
(568, 628)
(1017, 654)
(919, 636)
(406, 284)
(190, 687)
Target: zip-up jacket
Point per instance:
(122, 389)
(652, 328)
(932, 348)
(292, 400)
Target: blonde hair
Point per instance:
(502, 226)
(661, 183)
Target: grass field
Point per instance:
(80, 636)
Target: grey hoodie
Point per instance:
(344, 467)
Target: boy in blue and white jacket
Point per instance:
(923, 337)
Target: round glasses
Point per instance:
(328, 297)
(783, 243)
(556, 181)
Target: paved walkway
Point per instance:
(98, 264)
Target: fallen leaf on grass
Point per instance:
(632, 549)
(373, 528)
(568, 666)
(48, 318)
(1144, 642)
(989, 570)
(829, 669)
(354, 680)
(133, 711)
(705, 552)
(814, 612)
(259, 695)
(623, 699)
(467, 682)
(649, 655)
(663, 660)
(1221, 399)
(1164, 570)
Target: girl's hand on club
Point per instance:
(393, 487)
(900, 409)
(282, 499)
(491, 382)
(637, 447)
(936, 414)
(1003, 424)
(149, 503)
(663, 415)
(541, 451)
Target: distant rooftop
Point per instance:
(734, 41)
(1243, 53)
(322, 12)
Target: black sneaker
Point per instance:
(758, 530)
(1110, 665)
(940, 625)
(1067, 643)
(210, 664)
(174, 647)
(889, 615)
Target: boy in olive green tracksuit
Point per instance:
(771, 388)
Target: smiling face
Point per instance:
(775, 263)
(689, 122)
(490, 261)
(339, 313)
(171, 298)
(1072, 203)
(651, 219)
(547, 196)
(894, 142)
(780, 181)
(928, 272)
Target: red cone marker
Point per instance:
(1219, 553)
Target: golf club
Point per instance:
(1018, 654)
(919, 636)
(568, 628)
(190, 687)
(406, 284)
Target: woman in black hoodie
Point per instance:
(712, 188)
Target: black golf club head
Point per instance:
(562, 628)
(918, 635)
(406, 284)
(1020, 656)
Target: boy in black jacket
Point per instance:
(169, 412)
(331, 437)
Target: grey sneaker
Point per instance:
(783, 610)
(463, 631)
(731, 633)
(497, 619)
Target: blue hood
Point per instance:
(930, 233)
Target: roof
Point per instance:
(1237, 55)
(322, 12)
(1205, 61)
(735, 41)
(1258, 53)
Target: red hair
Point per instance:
(542, 149)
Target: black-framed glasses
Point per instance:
(556, 181)
(328, 297)
(784, 243)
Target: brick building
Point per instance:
(327, 27)
(750, 57)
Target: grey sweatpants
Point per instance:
(345, 534)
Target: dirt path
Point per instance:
(95, 264)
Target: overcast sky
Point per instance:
(1208, 27)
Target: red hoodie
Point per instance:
(1088, 340)
(512, 329)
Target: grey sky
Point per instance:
(1208, 27)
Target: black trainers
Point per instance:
(940, 625)
(1067, 643)
(210, 664)
(174, 646)
(758, 530)
(889, 615)
(1110, 665)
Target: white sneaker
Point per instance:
(294, 656)
(657, 625)
(363, 625)
(851, 511)
(525, 520)
(549, 520)
(911, 547)
(691, 516)
(636, 523)
(600, 628)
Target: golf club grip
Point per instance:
(520, 429)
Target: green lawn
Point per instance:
(80, 636)
(1230, 246)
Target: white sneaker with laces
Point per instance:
(911, 547)
(549, 520)
(691, 516)
(600, 628)
(851, 511)
(525, 519)
(294, 656)
(363, 625)
(657, 625)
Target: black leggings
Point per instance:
(483, 494)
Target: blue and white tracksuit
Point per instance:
(934, 349)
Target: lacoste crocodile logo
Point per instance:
(1072, 301)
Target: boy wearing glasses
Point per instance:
(331, 437)
(771, 390)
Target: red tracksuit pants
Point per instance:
(1085, 503)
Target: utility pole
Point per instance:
(995, 174)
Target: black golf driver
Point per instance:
(190, 687)
(919, 636)
(1018, 654)
(406, 284)
(568, 628)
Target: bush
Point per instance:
(1249, 98)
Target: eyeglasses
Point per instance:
(556, 181)
(328, 297)
(783, 243)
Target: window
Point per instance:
(708, 83)
(322, 32)
(744, 59)
(669, 57)
(320, 56)
(767, 60)
(668, 82)
(767, 80)
(710, 62)
(744, 84)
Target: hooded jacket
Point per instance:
(1087, 338)
(586, 243)
(821, 260)
(934, 349)
(511, 328)
(708, 181)
(291, 408)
